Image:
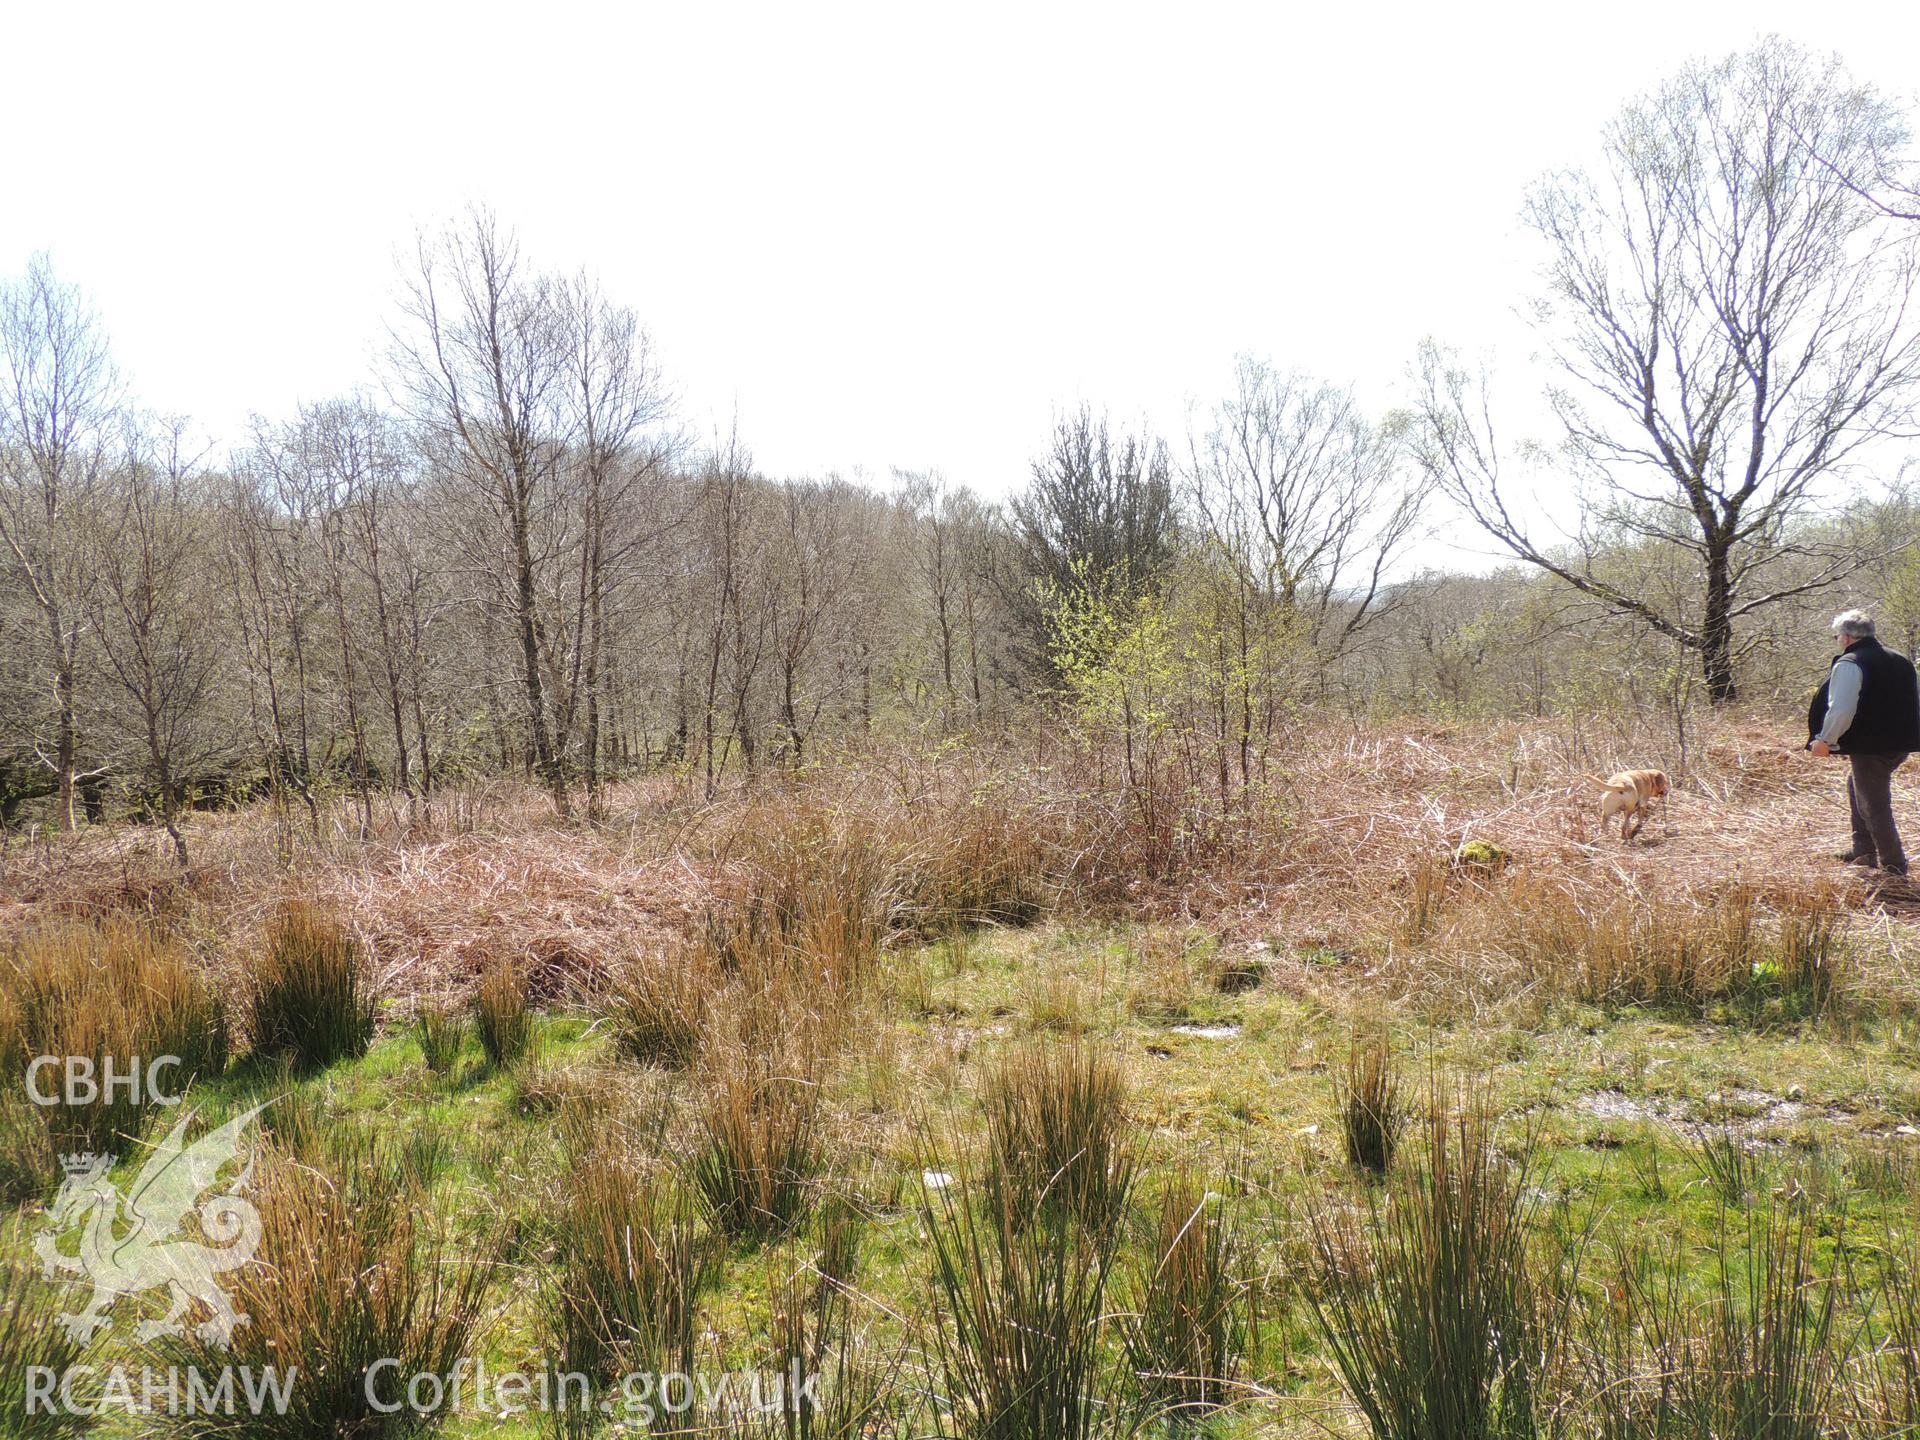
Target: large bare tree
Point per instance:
(58, 396)
(616, 403)
(153, 613)
(1731, 326)
(1304, 505)
(482, 365)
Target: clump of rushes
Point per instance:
(309, 999)
(978, 861)
(32, 1341)
(503, 1015)
(840, 1383)
(659, 1008)
(1661, 950)
(1188, 1314)
(630, 1264)
(1372, 1105)
(29, 1159)
(1058, 1134)
(117, 993)
(1428, 888)
(1057, 1002)
(352, 1271)
(1427, 1298)
(441, 1031)
(1771, 1363)
(1807, 959)
(760, 1152)
(1723, 1159)
(1895, 1390)
(1163, 977)
(822, 876)
(1762, 1357)
(1020, 1316)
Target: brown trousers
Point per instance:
(1876, 838)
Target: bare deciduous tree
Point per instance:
(1731, 325)
(940, 564)
(812, 555)
(269, 613)
(482, 367)
(1305, 498)
(619, 460)
(150, 611)
(1304, 506)
(57, 402)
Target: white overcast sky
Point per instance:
(898, 235)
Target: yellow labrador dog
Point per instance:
(1629, 795)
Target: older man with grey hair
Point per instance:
(1869, 711)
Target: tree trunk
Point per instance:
(524, 602)
(1716, 630)
(65, 746)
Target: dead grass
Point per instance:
(929, 841)
(1775, 954)
(739, 950)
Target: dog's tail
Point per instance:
(1603, 784)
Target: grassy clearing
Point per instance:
(1095, 1178)
(611, 1245)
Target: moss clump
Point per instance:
(1481, 855)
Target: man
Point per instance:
(1869, 710)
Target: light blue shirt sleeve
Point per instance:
(1843, 698)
